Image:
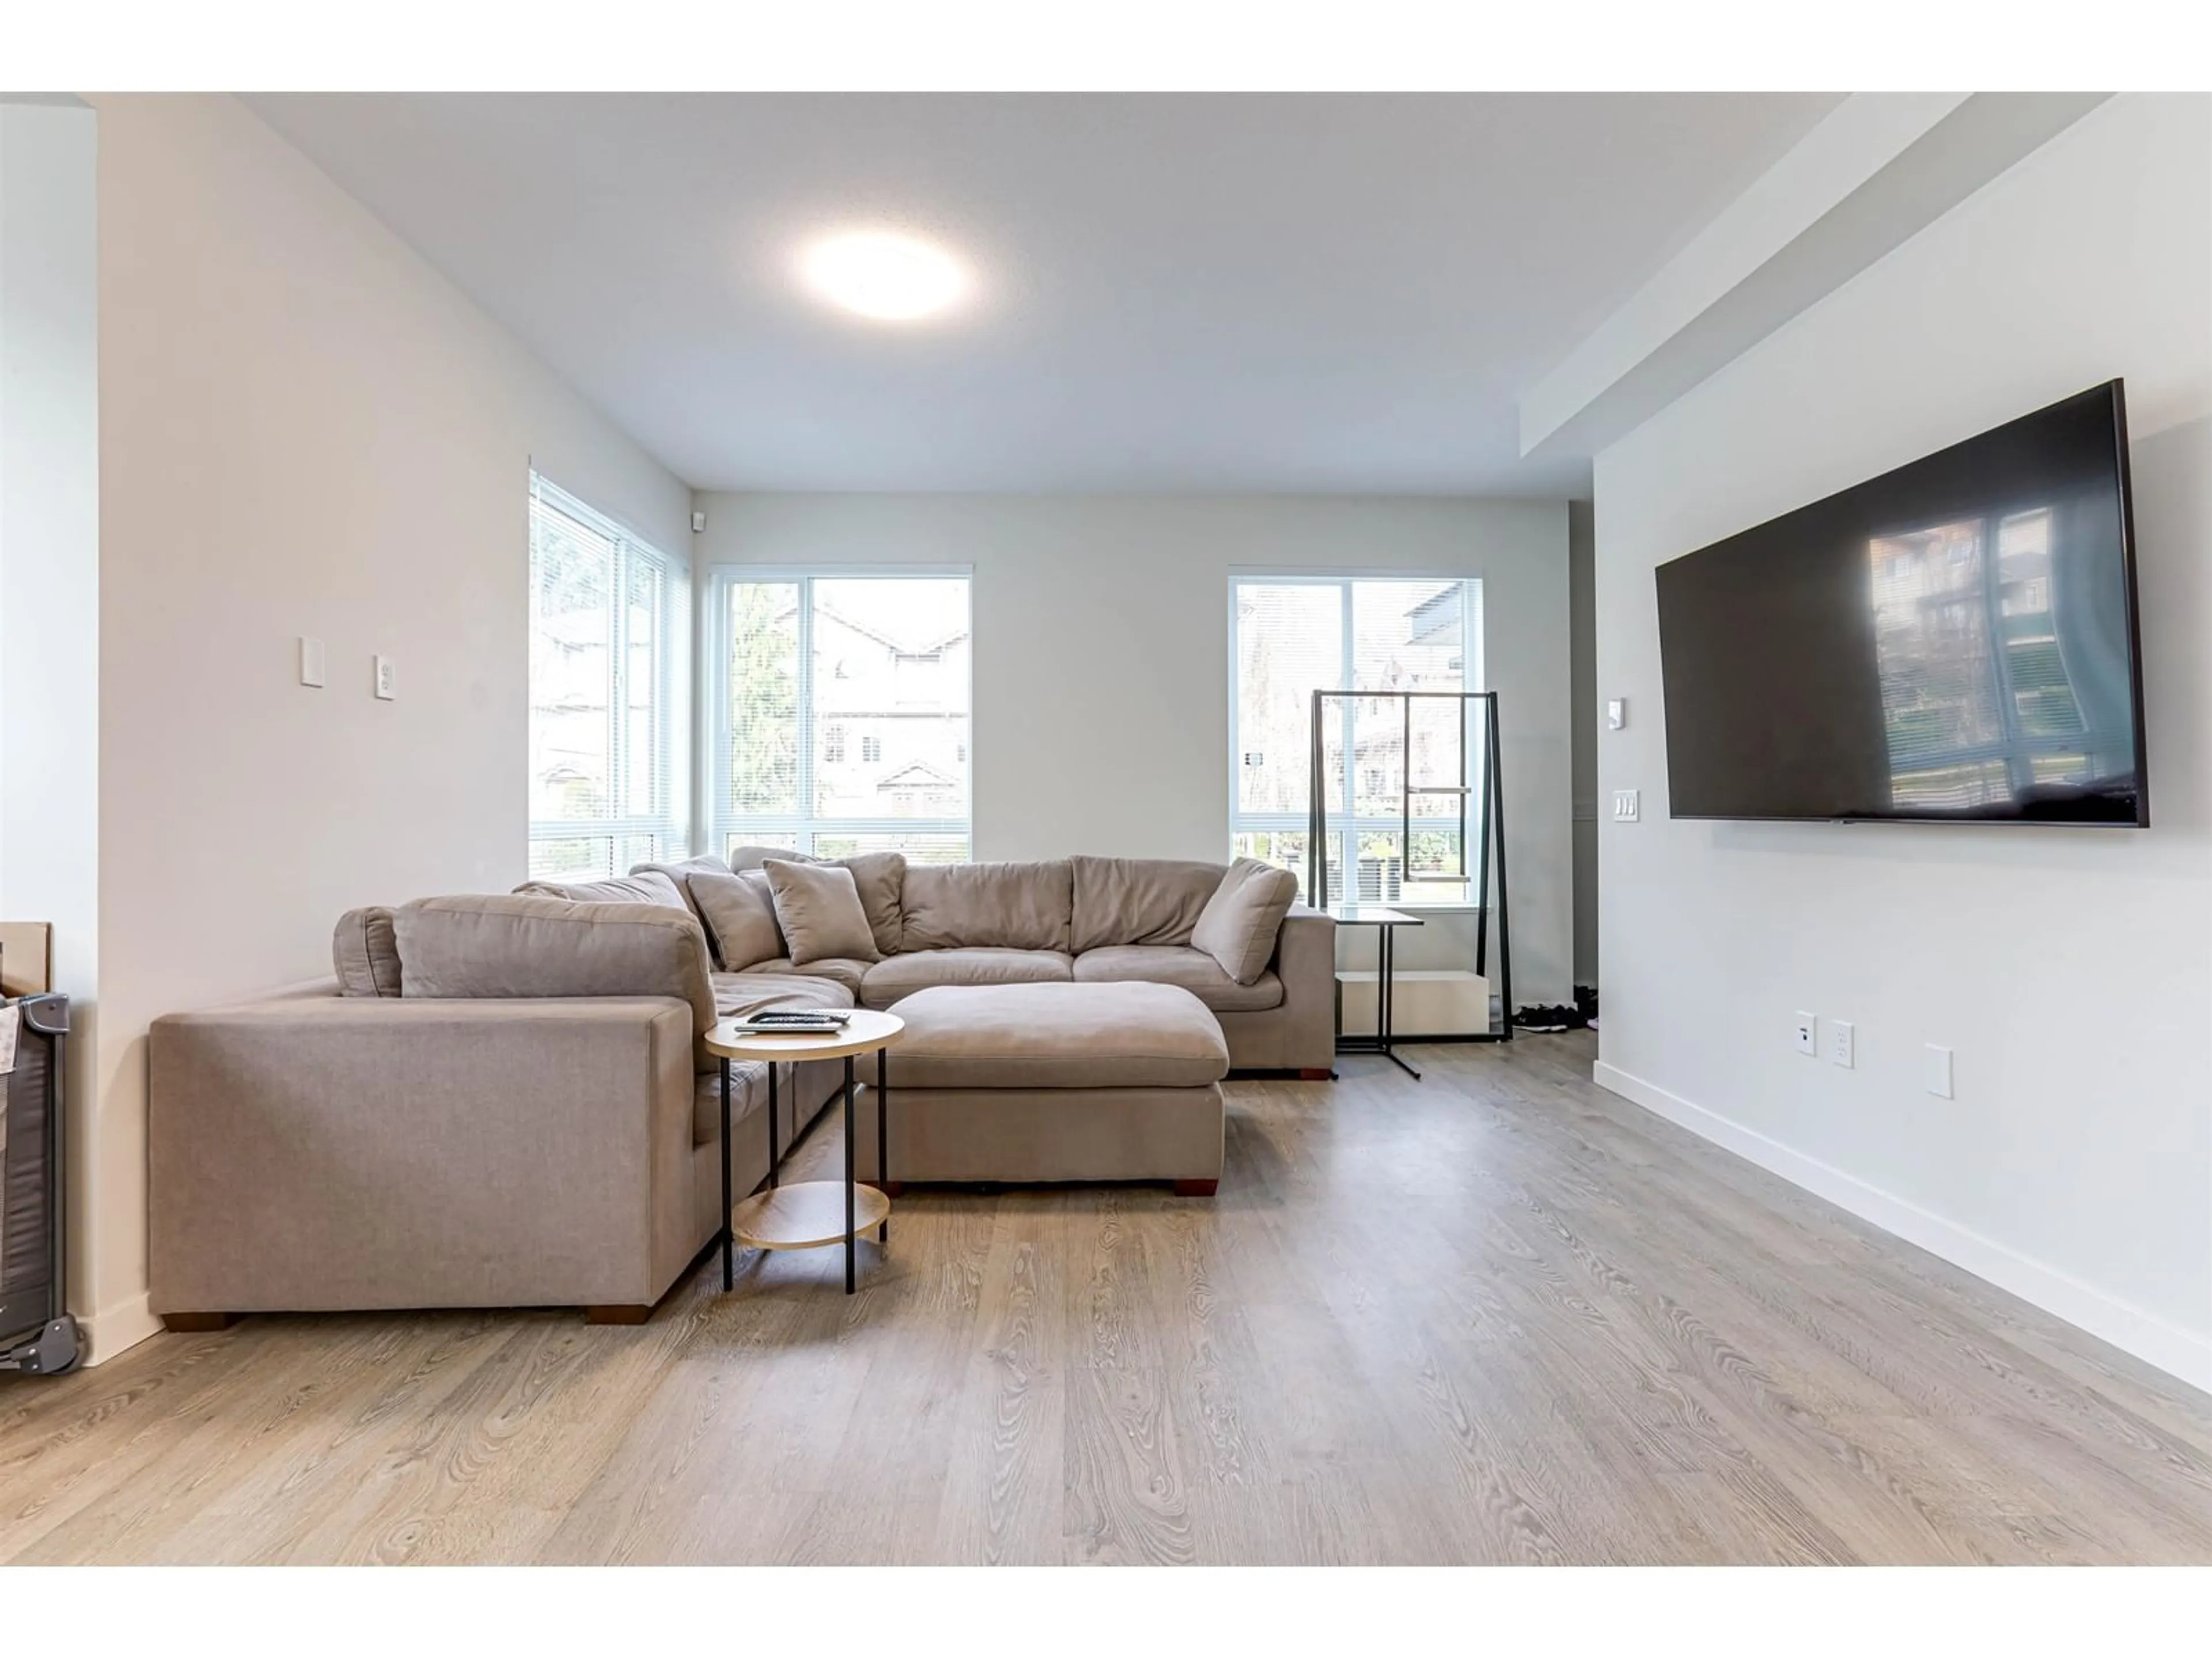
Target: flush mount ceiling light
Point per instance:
(884, 275)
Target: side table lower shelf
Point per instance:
(805, 1215)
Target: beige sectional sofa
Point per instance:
(1084, 919)
(503, 1102)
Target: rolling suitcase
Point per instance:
(37, 1334)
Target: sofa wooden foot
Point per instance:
(190, 1322)
(1314, 1074)
(619, 1313)
(1196, 1188)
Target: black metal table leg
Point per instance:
(1387, 972)
(850, 1246)
(1388, 992)
(884, 1135)
(774, 1156)
(729, 1244)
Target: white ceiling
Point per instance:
(1228, 292)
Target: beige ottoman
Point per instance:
(1055, 1082)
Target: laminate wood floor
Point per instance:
(1496, 1315)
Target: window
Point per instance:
(1294, 636)
(610, 629)
(841, 713)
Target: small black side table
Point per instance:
(1388, 921)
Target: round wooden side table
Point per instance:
(809, 1213)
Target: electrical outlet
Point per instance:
(1807, 1026)
(1625, 806)
(386, 684)
(1839, 1043)
(1939, 1071)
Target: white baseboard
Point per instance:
(122, 1325)
(2186, 1354)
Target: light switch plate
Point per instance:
(1808, 1026)
(311, 661)
(1625, 806)
(386, 681)
(1616, 713)
(1839, 1043)
(1939, 1071)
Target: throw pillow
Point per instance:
(1238, 925)
(881, 877)
(739, 912)
(818, 907)
(644, 887)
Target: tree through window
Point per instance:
(843, 705)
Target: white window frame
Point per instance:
(1472, 678)
(801, 827)
(671, 817)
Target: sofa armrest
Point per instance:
(326, 1152)
(1305, 955)
(1299, 1036)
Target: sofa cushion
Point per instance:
(1238, 925)
(1138, 901)
(739, 912)
(1180, 965)
(737, 995)
(748, 1095)
(520, 946)
(1057, 1036)
(817, 907)
(1015, 907)
(879, 877)
(640, 887)
(910, 971)
(364, 953)
(838, 969)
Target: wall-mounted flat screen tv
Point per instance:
(1955, 641)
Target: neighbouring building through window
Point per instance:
(1297, 634)
(609, 625)
(842, 704)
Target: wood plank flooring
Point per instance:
(1495, 1315)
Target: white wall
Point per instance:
(303, 430)
(2070, 971)
(1102, 655)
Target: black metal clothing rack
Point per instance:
(37, 1334)
(1490, 853)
